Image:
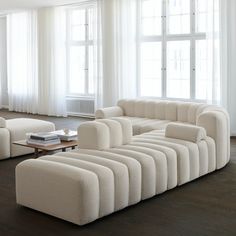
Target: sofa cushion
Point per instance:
(127, 131)
(142, 125)
(153, 125)
(115, 132)
(134, 167)
(109, 112)
(191, 133)
(105, 177)
(120, 172)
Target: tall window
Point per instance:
(172, 48)
(80, 50)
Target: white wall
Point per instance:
(3, 62)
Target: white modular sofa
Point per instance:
(113, 169)
(14, 130)
(148, 115)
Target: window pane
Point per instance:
(178, 16)
(91, 70)
(151, 55)
(151, 17)
(178, 69)
(200, 13)
(77, 70)
(77, 21)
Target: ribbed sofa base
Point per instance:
(84, 185)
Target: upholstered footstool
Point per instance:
(14, 130)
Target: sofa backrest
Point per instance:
(164, 109)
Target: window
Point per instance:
(172, 48)
(80, 50)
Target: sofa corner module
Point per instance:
(216, 124)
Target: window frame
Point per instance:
(86, 43)
(193, 36)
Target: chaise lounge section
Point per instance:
(112, 169)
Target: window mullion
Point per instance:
(164, 86)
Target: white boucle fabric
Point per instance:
(113, 169)
(109, 112)
(191, 133)
(2, 123)
(127, 131)
(94, 135)
(115, 132)
(18, 129)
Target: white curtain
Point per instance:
(52, 61)
(22, 61)
(228, 59)
(117, 51)
(213, 52)
(3, 58)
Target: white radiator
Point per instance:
(80, 107)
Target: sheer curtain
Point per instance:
(52, 61)
(3, 64)
(228, 59)
(216, 52)
(22, 61)
(116, 50)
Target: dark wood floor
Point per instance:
(206, 206)
(70, 122)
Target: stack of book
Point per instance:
(69, 135)
(43, 139)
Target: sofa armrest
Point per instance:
(108, 112)
(191, 133)
(216, 124)
(2, 122)
(94, 135)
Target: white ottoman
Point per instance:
(15, 130)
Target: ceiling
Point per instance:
(11, 5)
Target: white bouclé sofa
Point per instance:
(148, 115)
(14, 130)
(112, 169)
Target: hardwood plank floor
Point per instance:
(70, 122)
(206, 206)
